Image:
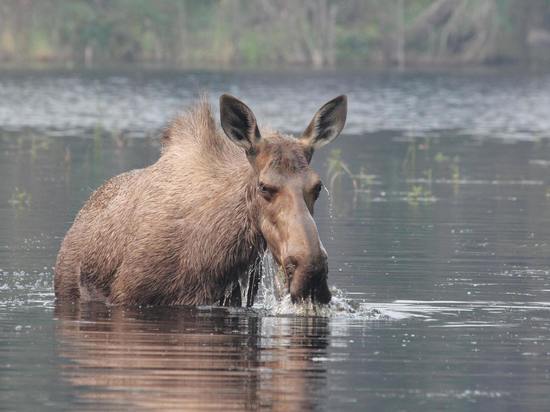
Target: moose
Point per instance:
(190, 229)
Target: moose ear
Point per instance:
(327, 123)
(238, 123)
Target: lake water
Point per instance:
(436, 221)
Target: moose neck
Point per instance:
(245, 243)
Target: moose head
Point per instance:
(285, 190)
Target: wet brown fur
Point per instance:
(180, 231)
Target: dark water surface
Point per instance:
(437, 227)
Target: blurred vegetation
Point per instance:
(20, 199)
(256, 33)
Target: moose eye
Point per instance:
(317, 190)
(266, 191)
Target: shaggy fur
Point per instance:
(186, 229)
(180, 231)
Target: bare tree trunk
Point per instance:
(400, 34)
(437, 14)
(22, 27)
(321, 32)
(181, 35)
(331, 35)
(318, 11)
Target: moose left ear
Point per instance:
(238, 123)
(327, 123)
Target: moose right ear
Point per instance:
(238, 123)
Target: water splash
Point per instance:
(272, 301)
(339, 307)
(330, 213)
(267, 297)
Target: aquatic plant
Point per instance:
(20, 199)
(441, 158)
(338, 168)
(420, 190)
(38, 144)
(419, 194)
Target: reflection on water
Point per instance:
(192, 359)
(438, 242)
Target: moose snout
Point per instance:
(307, 278)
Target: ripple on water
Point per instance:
(20, 288)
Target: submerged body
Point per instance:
(184, 230)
